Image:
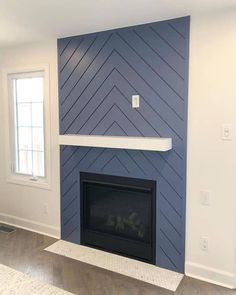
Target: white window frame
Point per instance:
(12, 177)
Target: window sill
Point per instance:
(25, 181)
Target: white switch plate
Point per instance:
(226, 132)
(205, 198)
(135, 101)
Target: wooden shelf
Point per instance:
(118, 142)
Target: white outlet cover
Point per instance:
(204, 244)
(226, 132)
(135, 101)
(45, 208)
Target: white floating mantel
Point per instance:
(118, 142)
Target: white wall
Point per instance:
(211, 161)
(23, 205)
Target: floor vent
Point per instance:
(6, 229)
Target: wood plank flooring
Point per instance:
(23, 251)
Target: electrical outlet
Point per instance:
(204, 244)
(205, 198)
(135, 101)
(45, 208)
(226, 132)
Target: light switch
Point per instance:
(226, 132)
(135, 101)
(205, 198)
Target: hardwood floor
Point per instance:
(23, 251)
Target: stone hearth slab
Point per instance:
(129, 267)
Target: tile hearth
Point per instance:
(129, 267)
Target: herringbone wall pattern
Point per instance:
(98, 75)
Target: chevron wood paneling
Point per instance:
(98, 74)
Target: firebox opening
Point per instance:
(118, 214)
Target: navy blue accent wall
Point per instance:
(98, 74)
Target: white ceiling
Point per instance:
(24, 21)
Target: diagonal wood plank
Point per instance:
(98, 77)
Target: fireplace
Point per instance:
(118, 214)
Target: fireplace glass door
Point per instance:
(118, 215)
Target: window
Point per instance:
(28, 140)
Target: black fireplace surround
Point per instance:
(118, 215)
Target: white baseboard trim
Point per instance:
(211, 275)
(30, 225)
